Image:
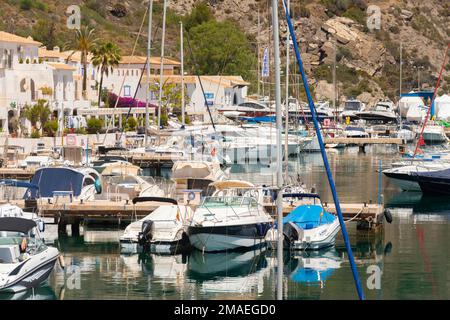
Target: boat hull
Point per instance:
(31, 279)
(404, 181)
(221, 238)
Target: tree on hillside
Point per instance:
(221, 48)
(201, 13)
(45, 32)
(105, 58)
(84, 42)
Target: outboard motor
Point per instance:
(292, 233)
(145, 236)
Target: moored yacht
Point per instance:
(232, 218)
(25, 260)
(350, 108)
(382, 112)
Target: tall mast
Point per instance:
(401, 69)
(183, 119)
(259, 56)
(334, 80)
(286, 137)
(147, 89)
(276, 55)
(161, 67)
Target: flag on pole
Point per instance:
(265, 63)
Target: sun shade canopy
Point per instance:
(16, 224)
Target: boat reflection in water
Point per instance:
(315, 267)
(44, 292)
(239, 272)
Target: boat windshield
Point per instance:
(229, 201)
(34, 243)
(352, 105)
(355, 129)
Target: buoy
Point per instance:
(388, 215)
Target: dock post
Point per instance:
(75, 226)
(62, 227)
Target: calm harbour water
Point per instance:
(412, 252)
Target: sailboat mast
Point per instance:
(276, 47)
(259, 56)
(147, 89)
(401, 69)
(183, 117)
(286, 137)
(161, 68)
(334, 81)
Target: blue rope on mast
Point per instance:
(324, 155)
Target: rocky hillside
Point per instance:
(367, 61)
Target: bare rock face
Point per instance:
(368, 53)
(406, 14)
(324, 90)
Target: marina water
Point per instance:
(408, 260)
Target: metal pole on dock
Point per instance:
(183, 117)
(147, 91)
(161, 67)
(276, 47)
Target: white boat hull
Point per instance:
(219, 242)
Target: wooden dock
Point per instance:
(367, 216)
(363, 141)
(17, 173)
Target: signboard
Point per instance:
(71, 140)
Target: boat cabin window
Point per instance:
(352, 105)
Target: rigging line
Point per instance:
(199, 79)
(432, 101)
(134, 97)
(126, 74)
(324, 155)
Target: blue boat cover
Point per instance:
(55, 179)
(18, 184)
(309, 216)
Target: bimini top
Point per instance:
(228, 184)
(14, 224)
(55, 179)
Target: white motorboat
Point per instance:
(433, 133)
(308, 226)
(161, 231)
(249, 109)
(355, 132)
(130, 186)
(25, 260)
(350, 108)
(232, 218)
(406, 133)
(382, 112)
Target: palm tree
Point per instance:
(105, 58)
(84, 42)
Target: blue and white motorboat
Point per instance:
(308, 226)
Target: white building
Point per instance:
(131, 68)
(219, 91)
(28, 74)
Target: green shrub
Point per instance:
(51, 127)
(132, 123)
(26, 4)
(35, 134)
(94, 125)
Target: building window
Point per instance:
(127, 91)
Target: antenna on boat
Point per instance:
(279, 125)
(324, 155)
